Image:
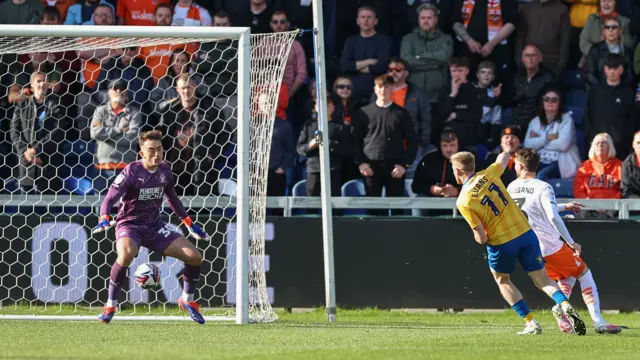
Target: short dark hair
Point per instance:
(163, 6)
(613, 18)
(149, 135)
(487, 64)
(367, 8)
(448, 135)
(614, 61)
(460, 61)
(106, 6)
(399, 60)
(427, 7)
(50, 12)
(529, 158)
(280, 12)
(384, 80)
(222, 14)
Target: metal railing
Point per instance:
(622, 206)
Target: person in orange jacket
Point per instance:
(600, 176)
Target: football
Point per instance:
(148, 276)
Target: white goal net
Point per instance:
(74, 101)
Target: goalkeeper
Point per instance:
(142, 186)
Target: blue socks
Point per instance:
(559, 297)
(521, 308)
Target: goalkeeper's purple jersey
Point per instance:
(142, 193)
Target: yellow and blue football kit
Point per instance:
(484, 201)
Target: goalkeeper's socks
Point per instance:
(590, 296)
(190, 276)
(117, 277)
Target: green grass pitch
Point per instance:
(364, 334)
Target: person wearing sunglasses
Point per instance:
(611, 108)
(552, 133)
(295, 71)
(592, 33)
(612, 44)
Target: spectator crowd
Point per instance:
(411, 83)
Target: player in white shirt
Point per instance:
(562, 259)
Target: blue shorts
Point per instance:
(525, 249)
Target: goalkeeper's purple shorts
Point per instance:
(155, 238)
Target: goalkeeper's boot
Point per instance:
(605, 328)
(578, 325)
(193, 309)
(107, 314)
(531, 328)
(563, 322)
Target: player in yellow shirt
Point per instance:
(499, 223)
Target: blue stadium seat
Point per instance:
(573, 79)
(576, 98)
(79, 186)
(353, 188)
(482, 152)
(11, 185)
(562, 187)
(580, 143)
(577, 113)
(507, 117)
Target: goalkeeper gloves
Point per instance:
(103, 224)
(194, 230)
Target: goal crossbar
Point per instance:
(152, 32)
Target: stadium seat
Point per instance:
(79, 186)
(562, 187)
(299, 189)
(573, 79)
(580, 143)
(577, 113)
(576, 98)
(227, 187)
(353, 188)
(507, 117)
(11, 185)
(482, 152)
(408, 191)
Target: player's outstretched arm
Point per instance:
(176, 206)
(503, 159)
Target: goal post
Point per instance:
(236, 78)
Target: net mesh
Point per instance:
(85, 128)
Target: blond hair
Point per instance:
(608, 139)
(464, 161)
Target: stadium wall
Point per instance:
(380, 262)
